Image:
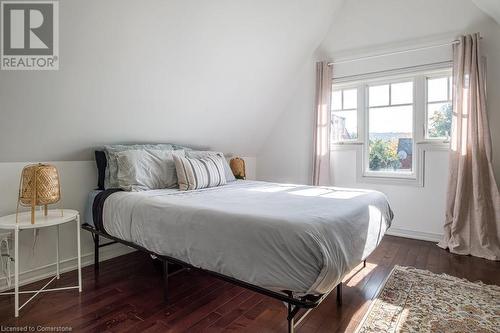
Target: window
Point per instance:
(439, 107)
(389, 118)
(390, 127)
(344, 115)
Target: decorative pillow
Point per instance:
(205, 153)
(140, 170)
(110, 180)
(196, 173)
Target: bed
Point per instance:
(291, 242)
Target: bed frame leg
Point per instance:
(339, 294)
(165, 280)
(364, 263)
(96, 254)
(290, 319)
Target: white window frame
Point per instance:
(343, 87)
(420, 141)
(366, 151)
(433, 75)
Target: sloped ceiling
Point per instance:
(210, 73)
(415, 20)
(489, 7)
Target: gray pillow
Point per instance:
(110, 179)
(140, 170)
(204, 153)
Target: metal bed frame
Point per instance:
(294, 303)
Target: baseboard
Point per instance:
(406, 233)
(66, 265)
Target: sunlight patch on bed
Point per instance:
(311, 192)
(375, 213)
(271, 189)
(343, 195)
(327, 193)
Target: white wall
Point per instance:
(191, 72)
(370, 27)
(286, 154)
(205, 73)
(491, 7)
(418, 210)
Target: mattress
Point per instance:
(88, 217)
(299, 238)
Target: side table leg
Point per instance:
(79, 253)
(16, 272)
(57, 253)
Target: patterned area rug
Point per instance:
(414, 300)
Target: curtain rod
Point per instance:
(456, 41)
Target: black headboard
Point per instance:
(100, 159)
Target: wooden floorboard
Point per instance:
(127, 296)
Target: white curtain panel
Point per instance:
(321, 137)
(472, 223)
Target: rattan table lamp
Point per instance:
(39, 186)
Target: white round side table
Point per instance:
(54, 218)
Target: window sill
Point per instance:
(390, 175)
(343, 143)
(434, 144)
(433, 141)
(346, 145)
(391, 179)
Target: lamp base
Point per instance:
(33, 212)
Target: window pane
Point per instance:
(391, 139)
(437, 89)
(350, 99)
(402, 93)
(337, 100)
(439, 120)
(379, 95)
(450, 86)
(344, 125)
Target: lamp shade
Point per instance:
(39, 186)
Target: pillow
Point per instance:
(204, 153)
(180, 147)
(140, 170)
(196, 173)
(100, 160)
(110, 180)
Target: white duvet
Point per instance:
(278, 236)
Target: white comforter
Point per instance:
(277, 236)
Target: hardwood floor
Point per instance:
(127, 297)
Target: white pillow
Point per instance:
(197, 173)
(140, 170)
(111, 176)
